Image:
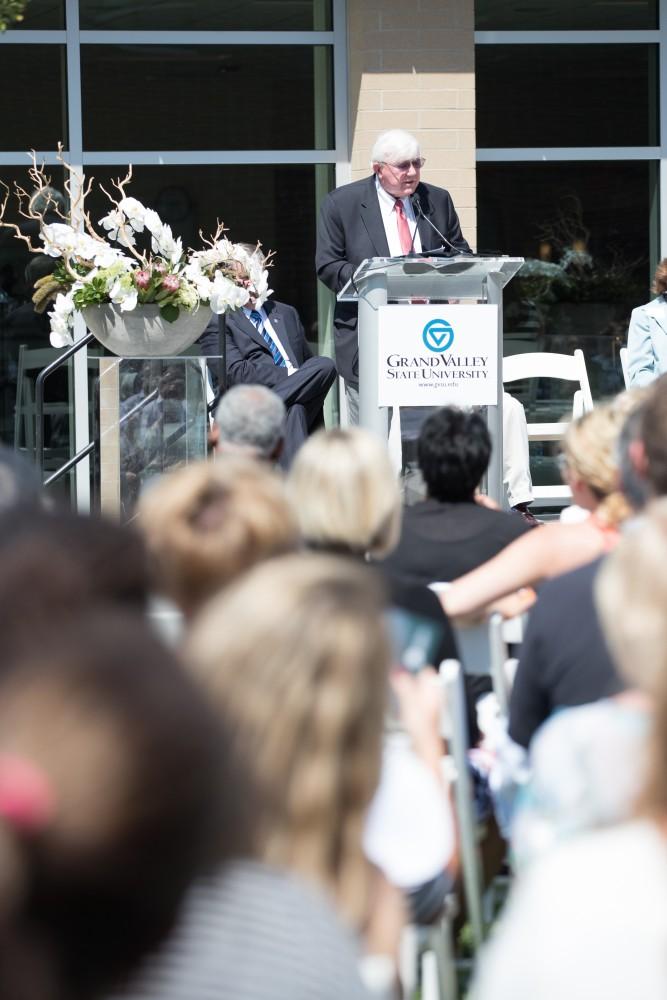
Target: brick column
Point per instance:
(109, 437)
(411, 66)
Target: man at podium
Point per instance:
(387, 214)
(390, 214)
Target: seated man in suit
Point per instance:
(449, 534)
(266, 345)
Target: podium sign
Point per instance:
(438, 355)
(379, 280)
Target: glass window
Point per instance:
(273, 204)
(565, 15)
(593, 95)
(24, 334)
(36, 116)
(207, 15)
(207, 97)
(587, 231)
(42, 15)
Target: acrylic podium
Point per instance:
(415, 281)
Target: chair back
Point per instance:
(454, 723)
(566, 367)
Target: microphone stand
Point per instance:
(417, 206)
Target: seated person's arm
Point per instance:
(521, 564)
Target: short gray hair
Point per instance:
(251, 418)
(395, 146)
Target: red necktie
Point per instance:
(403, 227)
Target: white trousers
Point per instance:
(516, 461)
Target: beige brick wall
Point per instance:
(411, 65)
(109, 437)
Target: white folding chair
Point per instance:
(570, 368)
(427, 964)
(455, 730)
(623, 355)
(30, 363)
(503, 632)
(484, 648)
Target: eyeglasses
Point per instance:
(403, 167)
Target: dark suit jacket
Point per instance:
(249, 359)
(351, 229)
(442, 541)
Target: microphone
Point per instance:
(417, 206)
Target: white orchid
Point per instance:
(123, 293)
(152, 220)
(225, 294)
(104, 256)
(134, 212)
(96, 266)
(118, 227)
(194, 272)
(57, 237)
(168, 247)
(62, 320)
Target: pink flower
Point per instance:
(171, 282)
(142, 279)
(159, 266)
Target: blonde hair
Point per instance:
(207, 523)
(345, 492)
(590, 447)
(631, 597)
(303, 687)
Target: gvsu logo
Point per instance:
(438, 335)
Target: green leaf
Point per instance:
(169, 312)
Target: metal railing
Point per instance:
(72, 462)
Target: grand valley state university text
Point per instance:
(437, 366)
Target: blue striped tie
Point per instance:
(256, 319)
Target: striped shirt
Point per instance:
(254, 933)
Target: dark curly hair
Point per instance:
(453, 452)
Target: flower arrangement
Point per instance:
(11, 12)
(93, 269)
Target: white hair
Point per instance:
(251, 418)
(395, 146)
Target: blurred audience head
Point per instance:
(209, 522)
(651, 455)
(631, 595)
(71, 559)
(591, 457)
(633, 484)
(250, 420)
(345, 493)
(112, 790)
(453, 453)
(296, 658)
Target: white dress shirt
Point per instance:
(268, 326)
(390, 220)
